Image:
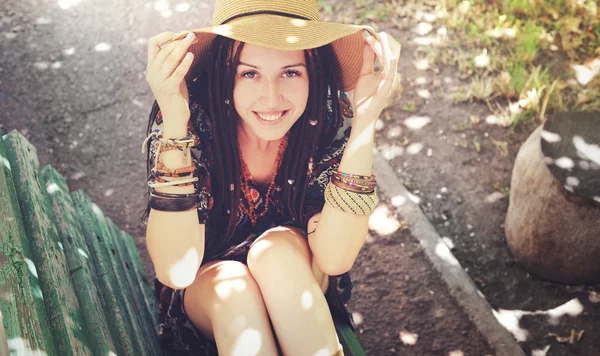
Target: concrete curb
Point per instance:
(458, 281)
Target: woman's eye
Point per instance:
(291, 73)
(249, 75)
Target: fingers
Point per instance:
(154, 44)
(170, 57)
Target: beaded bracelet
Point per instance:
(353, 187)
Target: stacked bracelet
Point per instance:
(354, 183)
(350, 202)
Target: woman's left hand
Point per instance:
(374, 89)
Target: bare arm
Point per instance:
(338, 236)
(175, 240)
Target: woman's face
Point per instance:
(270, 90)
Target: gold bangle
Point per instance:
(350, 202)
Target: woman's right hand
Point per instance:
(165, 74)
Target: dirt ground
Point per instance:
(461, 172)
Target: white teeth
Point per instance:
(270, 117)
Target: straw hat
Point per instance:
(281, 24)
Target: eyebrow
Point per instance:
(284, 67)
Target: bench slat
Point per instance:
(145, 285)
(138, 304)
(121, 281)
(62, 306)
(80, 263)
(111, 297)
(23, 312)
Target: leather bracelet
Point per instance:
(168, 204)
(153, 192)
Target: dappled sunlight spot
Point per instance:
(424, 16)
(422, 64)
(417, 122)
(382, 222)
(67, 4)
(68, 51)
(102, 47)
(408, 338)
(572, 181)
(399, 200)
(52, 188)
(442, 250)
(161, 5)
(306, 300)
(43, 21)
(423, 28)
(41, 65)
(37, 292)
(60, 245)
(494, 197)
(179, 271)
(96, 210)
(18, 345)
(5, 162)
(223, 30)
(564, 163)
(421, 80)
(225, 288)
(415, 199)
(585, 73)
(292, 39)
(482, 60)
(31, 267)
(389, 152)
(585, 165)
(571, 308)
(446, 240)
(414, 148)
(82, 252)
(182, 7)
(322, 352)
(109, 192)
(540, 352)
(456, 353)
(424, 93)
(299, 22)
(509, 319)
(379, 125)
(587, 151)
(394, 132)
(426, 41)
(358, 318)
(597, 199)
(442, 31)
(248, 343)
(550, 136)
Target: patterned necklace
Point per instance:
(246, 190)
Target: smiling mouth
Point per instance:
(271, 117)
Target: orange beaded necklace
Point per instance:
(246, 190)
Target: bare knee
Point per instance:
(275, 246)
(220, 287)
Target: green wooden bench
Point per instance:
(71, 283)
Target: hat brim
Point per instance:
(285, 33)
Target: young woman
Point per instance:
(260, 176)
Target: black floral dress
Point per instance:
(177, 334)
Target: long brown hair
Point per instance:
(307, 141)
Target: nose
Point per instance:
(271, 97)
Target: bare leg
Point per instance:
(281, 263)
(226, 304)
